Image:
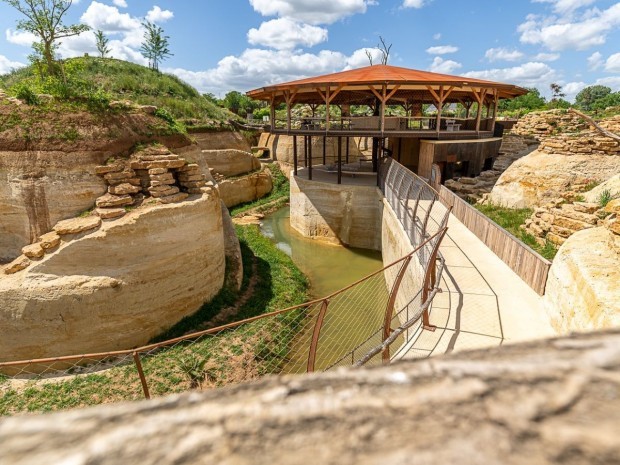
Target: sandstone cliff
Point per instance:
(540, 403)
(48, 159)
(221, 140)
(281, 148)
(116, 284)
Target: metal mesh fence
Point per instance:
(368, 322)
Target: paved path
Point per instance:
(483, 303)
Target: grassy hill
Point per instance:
(92, 79)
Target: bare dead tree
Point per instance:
(385, 51)
(369, 55)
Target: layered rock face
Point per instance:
(231, 162)
(245, 189)
(221, 140)
(583, 288)
(548, 402)
(563, 165)
(115, 284)
(281, 148)
(49, 175)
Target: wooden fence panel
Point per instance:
(528, 264)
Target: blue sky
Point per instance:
(221, 45)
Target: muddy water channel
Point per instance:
(330, 268)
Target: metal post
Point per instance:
(347, 150)
(339, 160)
(310, 158)
(295, 155)
(305, 151)
(389, 311)
(324, 150)
(145, 387)
(315, 336)
(430, 278)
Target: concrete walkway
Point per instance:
(483, 303)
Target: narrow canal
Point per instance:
(330, 268)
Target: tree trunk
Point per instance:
(47, 51)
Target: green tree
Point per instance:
(239, 103)
(523, 103)
(588, 97)
(44, 18)
(102, 43)
(556, 91)
(155, 45)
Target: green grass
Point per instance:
(511, 219)
(253, 350)
(98, 80)
(278, 196)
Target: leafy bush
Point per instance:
(27, 94)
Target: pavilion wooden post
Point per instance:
(295, 155)
(289, 97)
(439, 109)
(272, 112)
(479, 100)
(495, 105)
(383, 95)
(327, 100)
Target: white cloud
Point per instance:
(109, 19)
(531, 74)
(413, 3)
(561, 34)
(7, 65)
(442, 49)
(595, 61)
(440, 65)
(284, 33)
(157, 15)
(437, 36)
(359, 58)
(21, 38)
(566, 6)
(571, 89)
(611, 81)
(311, 11)
(120, 3)
(502, 54)
(257, 67)
(612, 65)
(547, 57)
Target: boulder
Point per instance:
(612, 185)
(20, 263)
(77, 225)
(118, 286)
(540, 177)
(583, 290)
(50, 240)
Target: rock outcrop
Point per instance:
(221, 140)
(47, 164)
(548, 402)
(562, 167)
(612, 185)
(231, 162)
(583, 288)
(245, 188)
(114, 284)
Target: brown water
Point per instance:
(330, 268)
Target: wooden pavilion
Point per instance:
(422, 98)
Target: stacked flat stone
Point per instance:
(546, 123)
(159, 166)
(191, 179)
(49, 242)
(589, 142)
(555, 222)
(122, 183)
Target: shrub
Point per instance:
(27, 94)
(605, 197)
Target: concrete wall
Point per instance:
(339, 214)
(474, 151)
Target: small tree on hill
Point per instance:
(589, 96)
(44, 18)
(102, 43)
(155, 46)
(556, 92)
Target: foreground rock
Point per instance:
(117, 286)
(542, 403)
(583, 288)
